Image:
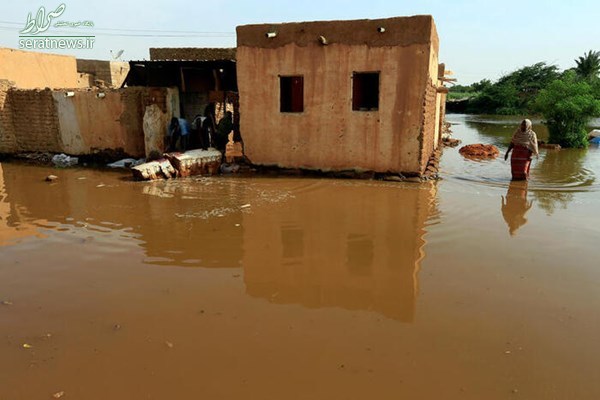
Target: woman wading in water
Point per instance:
(523, 145)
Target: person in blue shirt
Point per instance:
(186, 129)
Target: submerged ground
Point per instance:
(279, 288)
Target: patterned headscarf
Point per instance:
(526, 138)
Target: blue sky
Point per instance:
(478, 39)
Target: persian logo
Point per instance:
(31, 38)
(42, 21)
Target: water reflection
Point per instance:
(515, 205)
(351, 246)
(12, 227)
(184, 223)
(317, 243)
(560, 174)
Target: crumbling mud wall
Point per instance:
(328, 134)
(157, 115)
(79, 122)
(430, 112)
(31, 70)
(8, 142)
(112, 73)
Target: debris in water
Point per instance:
(116, 327)
(236, 275)
(127, 163)
(64, 161)
(58, 395)
(27, 346)
(479, 151)
(169, 345)
(51, 178)
(7, 303)
(245, 206)
(100, 185)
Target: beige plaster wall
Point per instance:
(329, 134)
(87, 121)
(115, 121)
(30, 70)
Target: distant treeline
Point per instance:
(515, 93)
(566, 100)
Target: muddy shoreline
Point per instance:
(99, 161)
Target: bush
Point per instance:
(567, 104)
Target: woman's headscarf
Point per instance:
(526, 138)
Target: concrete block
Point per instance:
(196, 162)
(160, 169)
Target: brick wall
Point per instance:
(192, 53)
(428, 129)
(49, 121)
(8, 142)
(34, 120)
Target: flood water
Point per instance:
(288, 288)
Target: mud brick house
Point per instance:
(201, 76)
(339, 95)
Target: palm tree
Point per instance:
(588, 66)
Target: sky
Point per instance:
(478, 39)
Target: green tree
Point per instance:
(567, 105)
(496, 99)
(481, 85)
(588, 66)
(513, 93)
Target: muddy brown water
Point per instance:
(276, 288)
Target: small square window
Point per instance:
(365, 91)
(291, 94)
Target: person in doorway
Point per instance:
(223, 130)
(174, 133)
(523, 146)
(196, 135)
(207, 133)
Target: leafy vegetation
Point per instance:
(513, 93)
(567, 104)
(566, 99)
(588, 66)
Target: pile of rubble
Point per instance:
(479, 151)
(447, 139)
(180, 165)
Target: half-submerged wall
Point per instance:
(80, 122)
(330, 133)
